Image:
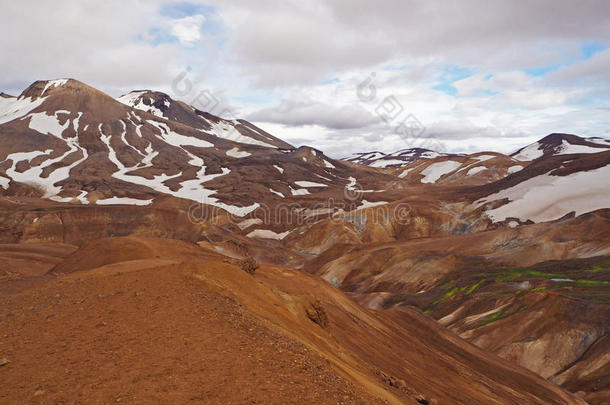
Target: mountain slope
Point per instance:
(491, 288)
(279, 336)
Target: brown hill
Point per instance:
(174, 327)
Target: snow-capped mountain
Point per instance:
(476, 168)
(573, 179)
(399, 158)
(163, 106)
(70, 142)
(561, 144)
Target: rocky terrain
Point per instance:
(409, 277)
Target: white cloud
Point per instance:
(294, 67)
(299, 113)
(187, 29)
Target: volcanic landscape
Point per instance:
(151, 252)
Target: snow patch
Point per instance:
(75, 122)
(306, 184)
(598, 140)
(436, 170)
(300, 191)
(13, 108)
(267, 234)
(4, 182)
(327, 164)
(369, 204)
(476, 170)
(249, 222)
(53, 83)
(47, 124)
(123, 200)
(224, 130)
(175, 139)
(546, 198)
(135, 100)
(278, 193)
(236, 153)
(383, 163)
(189, 189)
(530, 152)
(482, 158)
(567, 148)
(406, 172)
(514, 169)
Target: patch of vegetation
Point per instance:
(501, 315)
(498, 293)
(598, 269)
(590, 283)
(448, 294)
(466, 290)
(474, 287)
(514, 274)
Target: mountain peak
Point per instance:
(399, 158)
(560, 144)
(42, 88)
(154, 102)
(556, 138)
(163, 106)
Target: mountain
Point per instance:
(411, 277)
(551, 187)
(508, 263)
(561, 144)
(161, 105)
(473, 169)
(417, 165)
(68, 142)
(396, 159)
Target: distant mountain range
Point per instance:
(550, 145)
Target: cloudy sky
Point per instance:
(340, 75)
